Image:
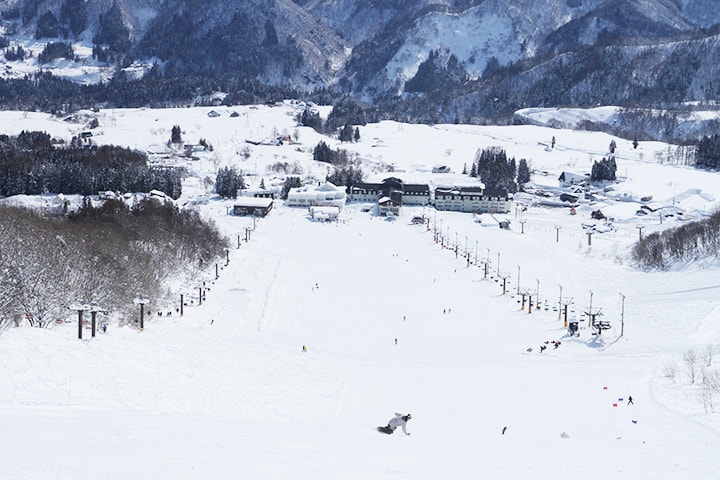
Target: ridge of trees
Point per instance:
(108, 254)
(31, 164)
(693, 240)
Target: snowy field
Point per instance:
(392, 322)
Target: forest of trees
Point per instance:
(347, 171)
(492, 166)
(693, 240)
(228, 182)
(604, 169)
(32, 163)
(107, 254)
(707, 153)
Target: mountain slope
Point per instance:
(476, 58)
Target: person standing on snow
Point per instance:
(399, 420)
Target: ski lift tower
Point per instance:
(565, 302)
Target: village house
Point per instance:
(568, 179)
(272, 191)
(257, 206)
(390, 205)
(325, 194)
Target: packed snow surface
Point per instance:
(391, 322)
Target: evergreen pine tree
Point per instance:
(346, 133)
(523, 173)
(176, 134)
(228, 181)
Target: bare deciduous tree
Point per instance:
(670, 371)
(709, 350)
(690, 359)
(710, 388)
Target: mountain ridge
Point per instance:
(476, 58)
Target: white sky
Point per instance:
(226, 392)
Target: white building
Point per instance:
(325, 194)
(324, 214)
(473, 199)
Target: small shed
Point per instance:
(256, 206)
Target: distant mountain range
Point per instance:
(445, 60)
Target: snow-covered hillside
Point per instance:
(391, 323)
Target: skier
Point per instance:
(630, 402)
(399, 420)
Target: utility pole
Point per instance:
(80, 309)
(537, 294)
(182, 304)
(141, 302)
(504, 277)
(528, 292)
(485, 267)
(467, 254)
(590, 314)
(522, 304)
(557, 233)
(564, 303)
(589, 234)
(522, 226)
(517, 291)
(560, 304)
(640, 229)
(498, 266)
(94, 309)
(622, 316)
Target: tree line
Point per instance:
(108, 253)
(32, 163)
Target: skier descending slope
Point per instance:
(399, 420)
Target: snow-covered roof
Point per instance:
(263, 202)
